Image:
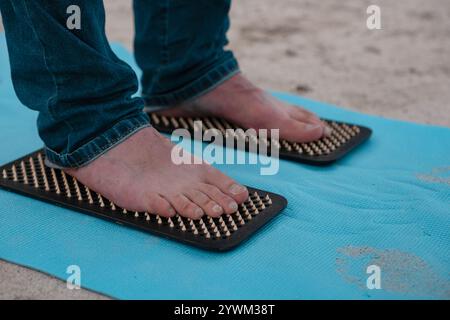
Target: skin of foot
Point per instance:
(239, 101)
(139, 175)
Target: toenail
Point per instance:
(198, 212)
(236, 189)
(217, 209)
(327, 131)
(311, 127)
(233, 206)
(172, 212)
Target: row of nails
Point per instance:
(27, 172)
(251, 207)
(341, 134)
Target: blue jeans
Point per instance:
(84, 92)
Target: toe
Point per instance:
(304, 115)
(159, 205)
(297, 131)
(209, 206)
(186, 207)
(228, 204)
(227, 185)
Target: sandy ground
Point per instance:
(322, 50)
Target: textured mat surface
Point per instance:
(386, 204)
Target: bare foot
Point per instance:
(139, 175)
(242, 103)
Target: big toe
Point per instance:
(298, 131)
(304, 115)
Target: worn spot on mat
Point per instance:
(401, 272)
(437, 175)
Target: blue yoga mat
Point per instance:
(387, 204)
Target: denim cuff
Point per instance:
(211, 79)
(99, 145)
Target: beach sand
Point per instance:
(323, 50)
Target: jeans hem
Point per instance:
(199, 87)
(99, 145)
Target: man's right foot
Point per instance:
(139, 175)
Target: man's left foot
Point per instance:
(242, 103)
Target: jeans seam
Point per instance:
(55, 95)
(101, 150)
(178, 96)
(214, 85)
(165, 35)
(67, 158)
